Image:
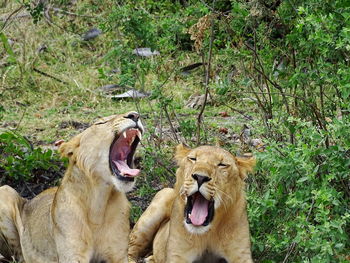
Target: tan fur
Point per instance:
(85, 219)
(227, 236)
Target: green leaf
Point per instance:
(303, 179)
(5, 42)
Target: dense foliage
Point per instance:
(20, 160)
(292, 59)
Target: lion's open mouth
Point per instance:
(121, 154)
(199, 211)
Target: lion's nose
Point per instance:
(134, 116)
(200, 179)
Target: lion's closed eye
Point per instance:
(223, 165)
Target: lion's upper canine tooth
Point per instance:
(139, 134)
(124, 134)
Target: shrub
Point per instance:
(19, 160)
(299, 199)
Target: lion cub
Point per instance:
(86, 218)
(203, 217)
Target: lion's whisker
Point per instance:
(227, 195)
(222, 201)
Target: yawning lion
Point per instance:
(86, 218)
(204, 218)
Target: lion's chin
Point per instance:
(122, 186)
(198, 230)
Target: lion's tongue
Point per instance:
(199, 211)
(125, 170)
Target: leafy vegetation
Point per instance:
(284, 64)
(20, 160)
(29, 169)
(297, 201)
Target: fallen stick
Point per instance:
(48, 75)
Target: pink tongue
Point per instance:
(125, 169)
(199, 211)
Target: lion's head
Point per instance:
(210, 180)
(106, 149)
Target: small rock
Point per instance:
(145, 52)
(236, 138)
(10, 42)
(257, 144)
(245, 134)
(115, 71)
(130, 94)
(43, 48)
(74, 124)
(91, 34)
(196, 101)
(111, 88)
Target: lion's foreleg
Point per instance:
(239, 254)
(73, 252)
(147, 226)
(149, 259)
(236, 246)
(10, 222)
(180, 249)
(72, 236)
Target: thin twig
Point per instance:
(24, 15)
(240, 112)
(263, 71)
(178, 121)
(268, 80)
(9, 17)
(260, 102)
(315, 109)
(20, 120)
(48, 75)
(160, 127)
(207, 76)
(171, 125)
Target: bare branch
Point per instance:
(207, 77)
(48, 75)
(9, 17)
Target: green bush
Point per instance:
(292, 58)
(19, 160)
(299, 198)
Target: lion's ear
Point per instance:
(245, 166)
(181, 152)
(66, 149)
